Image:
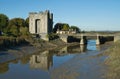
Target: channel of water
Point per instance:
(73, 62)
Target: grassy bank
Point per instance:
(8, 42)
(113, 61)
(11, 42)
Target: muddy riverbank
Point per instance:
(113, 61)
(16, 52)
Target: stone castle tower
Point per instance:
(40, 23)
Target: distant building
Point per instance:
(41, 23)
(70, 31)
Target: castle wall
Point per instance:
(40, 23)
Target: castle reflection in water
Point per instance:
(41, 61)
(44, 60)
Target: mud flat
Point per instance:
(20, 51)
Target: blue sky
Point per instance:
(87, 14)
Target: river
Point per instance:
(69, 62)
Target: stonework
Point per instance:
(41, 61)
(40, 23)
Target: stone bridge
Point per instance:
(82, 38)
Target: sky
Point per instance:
(90, 15)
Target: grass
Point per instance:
(7, 42)
(113, 61)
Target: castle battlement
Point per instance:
(40, 12)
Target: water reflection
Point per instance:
(83, 48)
(61, 63)
(98, 47)
(70, 50)
(4, 68)
(91, 46)
(42, 61)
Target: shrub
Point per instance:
(52, 36)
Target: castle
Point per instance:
(41, 23)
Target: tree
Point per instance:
(24, 31)
(3, 22)
(61, 26)
(27, 22)
(58, 26)
(15, 25)
(19, 22)
(65, 27)
(75, 28)
(14, 30)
